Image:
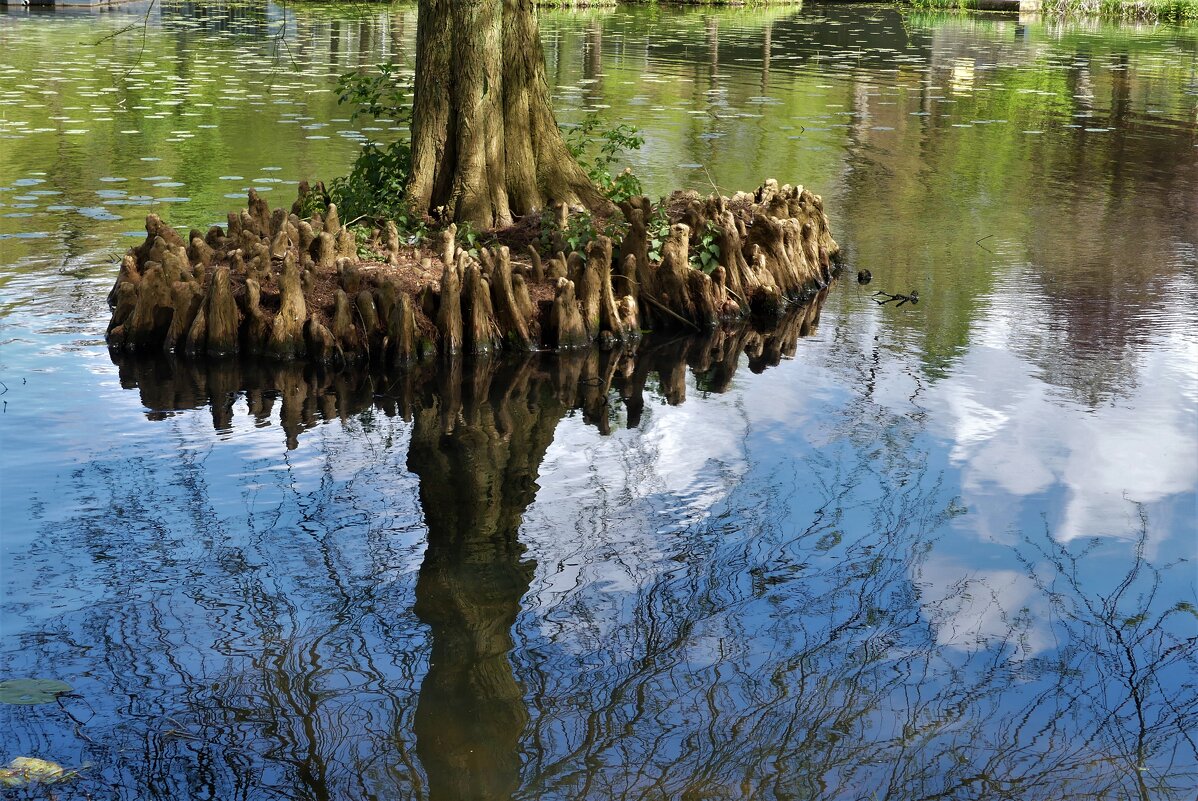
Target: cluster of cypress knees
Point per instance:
(274, 285)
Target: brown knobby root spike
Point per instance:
(287, 333)
(449, 311)
(276, 285)
(565, 328)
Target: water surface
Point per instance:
(934, 551)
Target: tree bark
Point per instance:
(485, 143)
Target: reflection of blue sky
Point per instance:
(697, 550)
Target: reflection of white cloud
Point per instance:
(971, 609)
(1013, 437)
(609, 521)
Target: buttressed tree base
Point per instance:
(272, 284)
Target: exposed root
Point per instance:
(276, 285)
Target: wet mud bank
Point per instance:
(277, 286)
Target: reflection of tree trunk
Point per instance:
(592, 68)
(365, 37)
(767, 46)
(397, 32)
(477, 476)
(713, 46)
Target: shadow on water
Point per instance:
(295, 661)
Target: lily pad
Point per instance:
(31, 691)
(31, 770)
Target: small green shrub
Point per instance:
(658, 228)
(375, 187)
(382, 94)
(468, 239)
(580, 231)
(597, 149)
(705, 255)
(363, 234)
(704, 251)
(375, 184)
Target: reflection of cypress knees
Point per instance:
(275, 284)
(590, 379)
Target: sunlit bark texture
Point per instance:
(485, 144)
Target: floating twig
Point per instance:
(912, 298)
(983, 239)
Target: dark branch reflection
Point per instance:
(360, 615)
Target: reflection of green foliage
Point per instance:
(338, 10)
(1141, 10)
(940, 4)
(962, 180)
(1145, 10)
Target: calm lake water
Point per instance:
(936, 551)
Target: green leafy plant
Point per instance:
(597, 149)
(705, 254)
(375, 186)
(312, 203)
(382, 94)
(624, 186)
(468, 239)
(658, 228)
(363, 235)
(580, 231)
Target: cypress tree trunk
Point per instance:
(485, 143)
